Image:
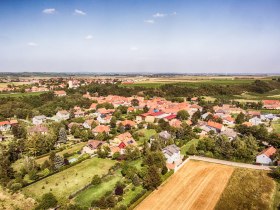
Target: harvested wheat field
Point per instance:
(197, 185)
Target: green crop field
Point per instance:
(64, 183)
(248, 189)
(190, 83)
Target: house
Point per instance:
(175, 123)
(92, 146)
(271, 104)
(63, 115)
(101, 129)
(79, 113)
(230, 133)
(218, 127)
(172, 155)
(127, 123)
(228, 120)
(265, 157)
(38, 129)
(5, 125)
(255, 121)
(38, 120)
(87, 124)
(164, 135)
(60, 93)
(254, 113)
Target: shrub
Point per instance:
(96, 180)
(119, 190)
(48, 201)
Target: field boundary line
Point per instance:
(230, 163)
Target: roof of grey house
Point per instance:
(229, 133)
(165, 135)
(171, 149)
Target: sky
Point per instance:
(134, 36)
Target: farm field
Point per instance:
(197, 185)
(64, 183)
(5, 84)
(248, 189)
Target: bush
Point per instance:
(96, 180)
(16, 186)
(48, 201)
(119, 190)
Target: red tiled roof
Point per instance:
(215, 125)
(170, 117)
(4, 123)
(268, 151)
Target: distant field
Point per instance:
(248, 189)
(2, 84)
(19, 94)
(188, 83)
(70, 180)
(197, 185)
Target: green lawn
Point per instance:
(130, 194)
(276, 126)
(85, 198)
(187, 146)
(74, 148)
(70, 180)
(147, 134)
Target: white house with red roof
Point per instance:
(265, 157)
(5, 125)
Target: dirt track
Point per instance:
(197, 185)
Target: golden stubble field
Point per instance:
(197, 185)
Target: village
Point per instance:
(132, 139)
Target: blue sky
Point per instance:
(214, 36)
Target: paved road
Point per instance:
(229, 163)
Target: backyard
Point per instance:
(65, 183)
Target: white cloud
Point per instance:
(79, 12)
(133, 48)
(149, 21)
(174, 13)
(89, 37)
(32, 44)
(159, 15)
(49, 11)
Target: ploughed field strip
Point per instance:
(197, 185)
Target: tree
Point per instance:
(135, 102)
(152, 179)
(196, 116)
(113, 122)
(145, 109)
(192, 150)
(48, 200)
(62, 136)
(6, 171)
(183, 115)
(96, 180)
(240, 118)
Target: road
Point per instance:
(229, 163)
